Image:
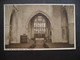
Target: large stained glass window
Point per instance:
(39, 25)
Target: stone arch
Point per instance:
(65, 33)
(13, 27)
(36, 14)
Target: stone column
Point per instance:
(57, 31)
(6, 37)
(14, 28)
(64, 23)
(70, 12)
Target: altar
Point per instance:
(39, 42)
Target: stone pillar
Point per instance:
(64, 34)
(71, 33)
(7, 15)
(64, 23)
(19, 30)
(29, 30)
(6, 31)
(14, 28)
(56, 31)
(70, 13)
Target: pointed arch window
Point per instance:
(39, 25)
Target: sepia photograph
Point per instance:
(39, 27)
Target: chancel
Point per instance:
(39, 26)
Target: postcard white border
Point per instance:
(32, 49)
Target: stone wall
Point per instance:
(7, 10)
(71, 20)
(24, 13)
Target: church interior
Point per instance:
(38, 26)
